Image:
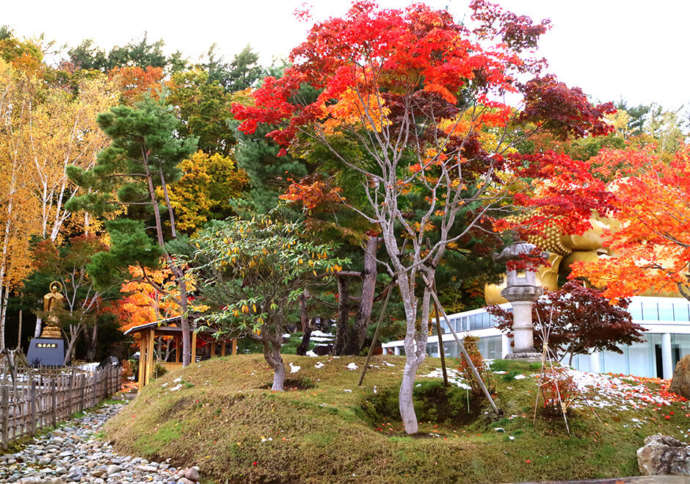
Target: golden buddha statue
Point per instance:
(563, 251)
(52, 302)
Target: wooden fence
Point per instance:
(41, 398)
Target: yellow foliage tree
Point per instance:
(205, 189)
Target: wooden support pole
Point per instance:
(143, 344)
(149, 355)
(222, 348)
(177, 349)
(213, 348)
(441, 349)
(234, 346)
(375, 337)
(193, 347)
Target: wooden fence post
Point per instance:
(5, 414)
(82, 390)
(32, 404)
(53, 412)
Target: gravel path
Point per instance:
(71, 453)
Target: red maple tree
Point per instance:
(422, 96)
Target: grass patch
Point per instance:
(225, 424)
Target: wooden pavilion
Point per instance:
(204, 346)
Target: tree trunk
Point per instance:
(405, 400)
(71, 346)
(275, 360)
(366, 302)
(415, 349)
(343, 318)
(184, 320)
(93, 343)
(177, 271)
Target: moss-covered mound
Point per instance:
(218, 415)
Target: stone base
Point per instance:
(524, 356)
(46, 352)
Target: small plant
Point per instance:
(159, 370)
(558, 391)
(478, 362)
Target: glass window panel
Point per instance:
(682, 342)
(640, 358)
(635, 310)
(649, 311)
(580, 362)
(615, 363)
(680, 311)
(665, 311)
(451, 349)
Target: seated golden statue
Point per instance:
(52, 302)
(563, 251)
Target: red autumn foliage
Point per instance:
(563, 111)
(312, 193)
(650, 244)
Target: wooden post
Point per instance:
(5, 401)
(177, 349)
(53, 407)
(149, 356)
(143, 344)
(213, 348)
(234, 346)
(441, 349)
(82, 391)
(32, 403)
(193, 347)
(222, 348)
(375, 337)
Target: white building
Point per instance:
(667, 339)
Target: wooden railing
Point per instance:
(35, 399)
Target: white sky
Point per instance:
(613, 49)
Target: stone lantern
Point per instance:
(522, 291)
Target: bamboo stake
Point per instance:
(441, 349)
(375, 337)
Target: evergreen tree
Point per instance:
(144, 155)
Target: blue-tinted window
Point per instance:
(665, 311)
(649, 311)
(635, 310)
(680, 311)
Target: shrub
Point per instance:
(478, 361)
(558, 391)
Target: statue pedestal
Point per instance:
(46, 352)
(530, 356)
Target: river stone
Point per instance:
(680, 383)
(192, 473)
(662, 454)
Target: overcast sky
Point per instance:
(614, 49)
